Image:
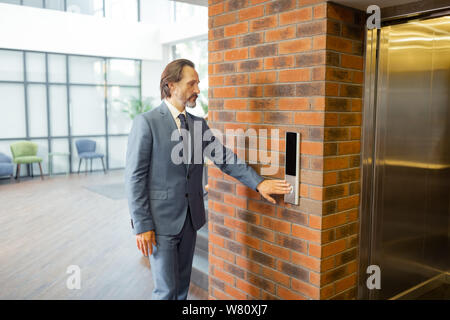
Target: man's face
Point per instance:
(186, 90)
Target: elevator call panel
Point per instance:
(292, 166)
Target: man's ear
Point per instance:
(171, 86)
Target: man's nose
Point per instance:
(197, 89)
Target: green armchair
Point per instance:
(24, 152)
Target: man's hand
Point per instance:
(144, 242)
(267, 187)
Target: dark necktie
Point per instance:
(184, 136)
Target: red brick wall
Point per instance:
(288, 65)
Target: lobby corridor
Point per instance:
(82, 220)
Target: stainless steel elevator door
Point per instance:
(411, 167)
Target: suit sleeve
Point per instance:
(137, 168)
(231, 164)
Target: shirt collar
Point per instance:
(174, 111)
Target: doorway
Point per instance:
(405, 208)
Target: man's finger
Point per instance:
(145, 248)
(284, 189)
(269, 198)
(280, 190)
(141, 247)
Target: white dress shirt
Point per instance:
(175, 113)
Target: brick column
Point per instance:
(288, 65)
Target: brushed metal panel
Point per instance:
(408, 175)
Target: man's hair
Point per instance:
(172, 73)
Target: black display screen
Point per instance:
(291, 153)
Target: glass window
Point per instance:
(58, 110)
(189, 12)
(37, 110)
(55, 4)
(121, 10)
(197, 52)
(33, 3)
(11, 1)
(6, 149)
(12, 110)
(117, 152)
(35, 66)
(156, 11)
(87, 114)
(125, 72)
(11, 65)
(43, 153)
(60, 163)
(96, 163)
(90, 7)
(118, 99)
(86, 70)
(56, 68)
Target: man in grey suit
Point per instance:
(165, 195)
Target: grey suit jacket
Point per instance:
(159, 190)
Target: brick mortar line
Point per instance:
(238, 73)
(276, 110)
(271, 84)
(339, 226)
(299, 293)
(285, 83)
(348, 289)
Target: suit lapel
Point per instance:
(169, 125)
(169, 122)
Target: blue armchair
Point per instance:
(86, 150)
(6, 166)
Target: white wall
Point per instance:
(151, 75)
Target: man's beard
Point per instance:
(189, 103)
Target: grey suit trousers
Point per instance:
(171, 262)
